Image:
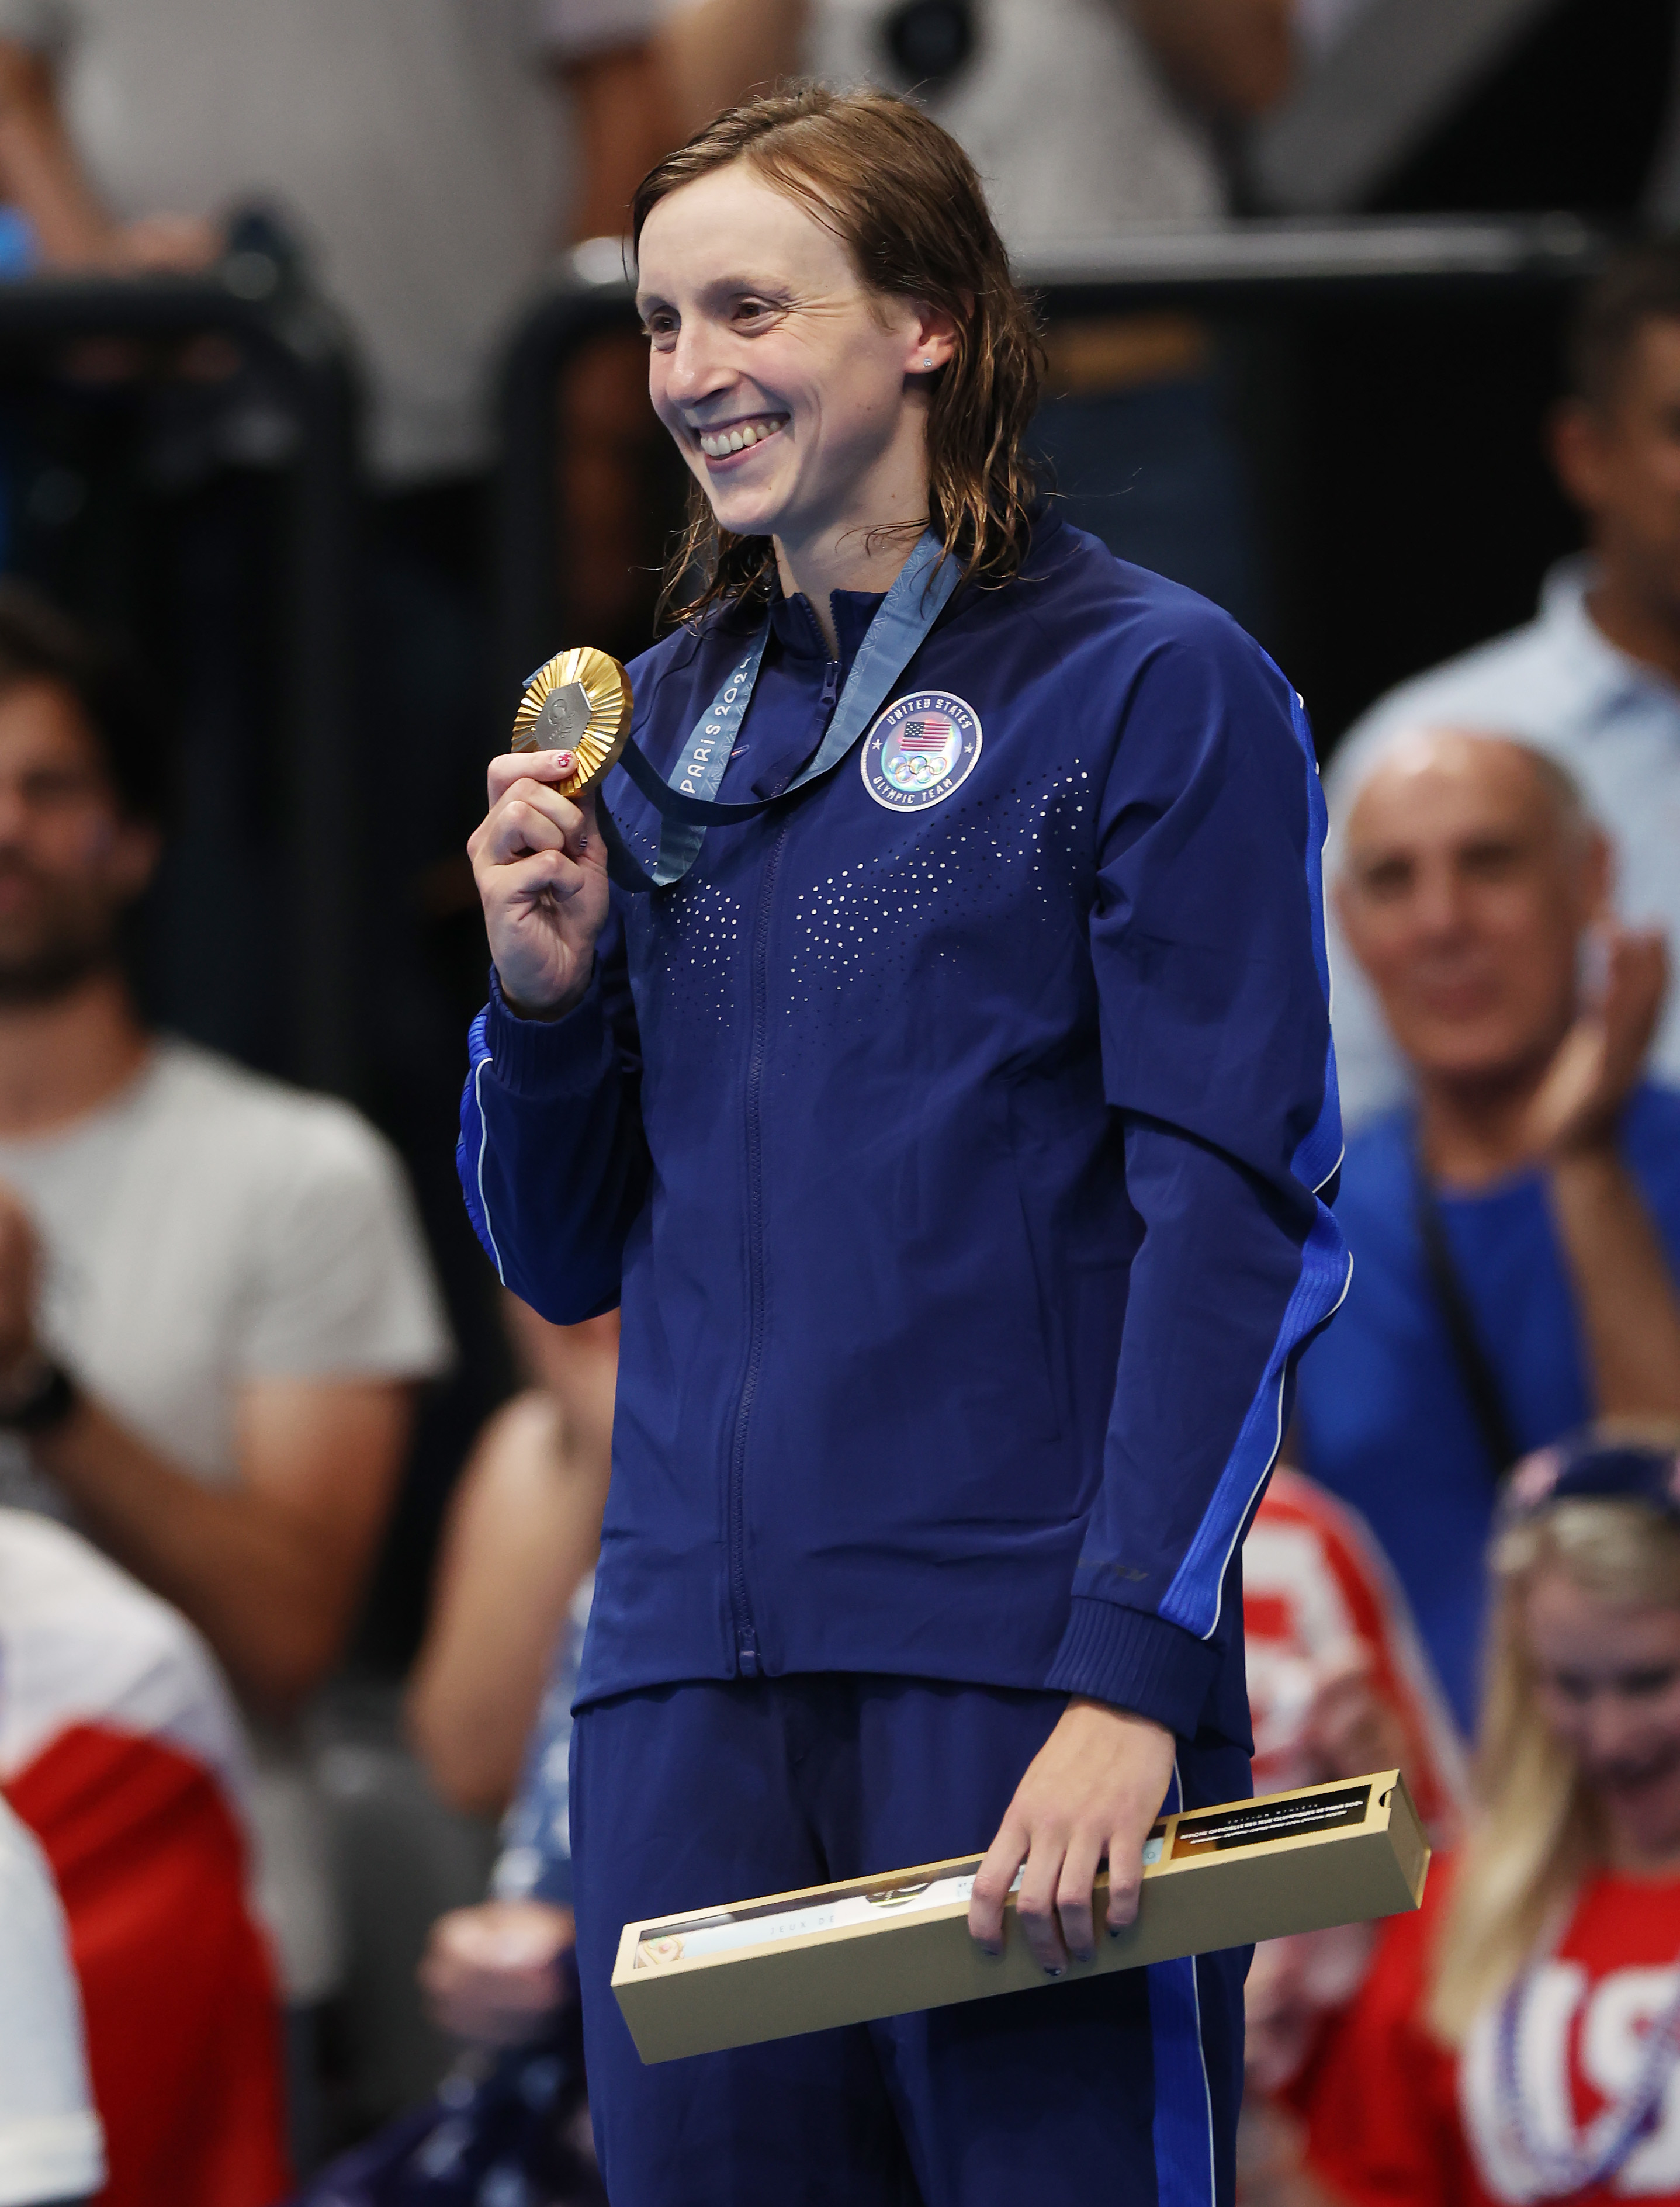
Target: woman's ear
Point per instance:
(935, 335)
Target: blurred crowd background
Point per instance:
(322, 420)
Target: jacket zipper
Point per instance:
(746, 1632)
(740, 1604)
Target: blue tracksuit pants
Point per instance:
(1121, 2089)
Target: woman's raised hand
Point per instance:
(540, 867)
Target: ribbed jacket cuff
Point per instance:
(1135, 1661)
(545, 1058)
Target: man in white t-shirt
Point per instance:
(214, 1302)
(50, 2144)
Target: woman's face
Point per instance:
(1608, 1682)
(797, 397)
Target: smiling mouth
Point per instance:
(724, 442)
(1639, 1777)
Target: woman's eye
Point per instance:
(1647, 1684)
(1570, 1686)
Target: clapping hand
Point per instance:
(1601, 1057)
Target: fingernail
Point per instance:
(563, 761)
(1115, 1933)
(1091, 1957)
(1050, 1972)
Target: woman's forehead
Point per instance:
(1563, 1613)
(733, 221)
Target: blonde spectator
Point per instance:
(1518, 2039)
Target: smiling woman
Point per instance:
(820, 272)
(941, 1087)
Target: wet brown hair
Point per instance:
(905, 199)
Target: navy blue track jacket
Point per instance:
(957, 1151)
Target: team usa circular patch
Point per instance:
(921, 750)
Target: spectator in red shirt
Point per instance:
(1338, 1684)
(1519, 2039)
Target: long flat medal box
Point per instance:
(892, 1944)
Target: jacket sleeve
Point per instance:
(1207, 938)
(552, 1156)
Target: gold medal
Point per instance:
(577, 705)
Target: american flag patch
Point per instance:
(921, 749)
(931, 732)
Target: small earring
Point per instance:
(927, 363)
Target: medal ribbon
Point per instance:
(685, 802)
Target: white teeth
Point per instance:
(718, 444)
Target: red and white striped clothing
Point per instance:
(1317, 1593)
(120, 1750)
(1316, 1587)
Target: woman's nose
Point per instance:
(696, 367)
(1614, 1731)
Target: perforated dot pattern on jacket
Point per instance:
(1023, 851)
(699, 931)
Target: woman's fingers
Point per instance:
(526, 766)
(1125, 1879)
(1074, 1895)
(543, 873)
(1036, 1905)
(992, 1882)
(529, 818)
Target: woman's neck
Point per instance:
(1637, 1855)
(855, 558)
(864, 547)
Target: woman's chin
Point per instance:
(744, 512)
(1644, 1810)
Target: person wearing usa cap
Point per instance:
(1519, 2039)
(924, 1041)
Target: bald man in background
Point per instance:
(1516, 1230)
